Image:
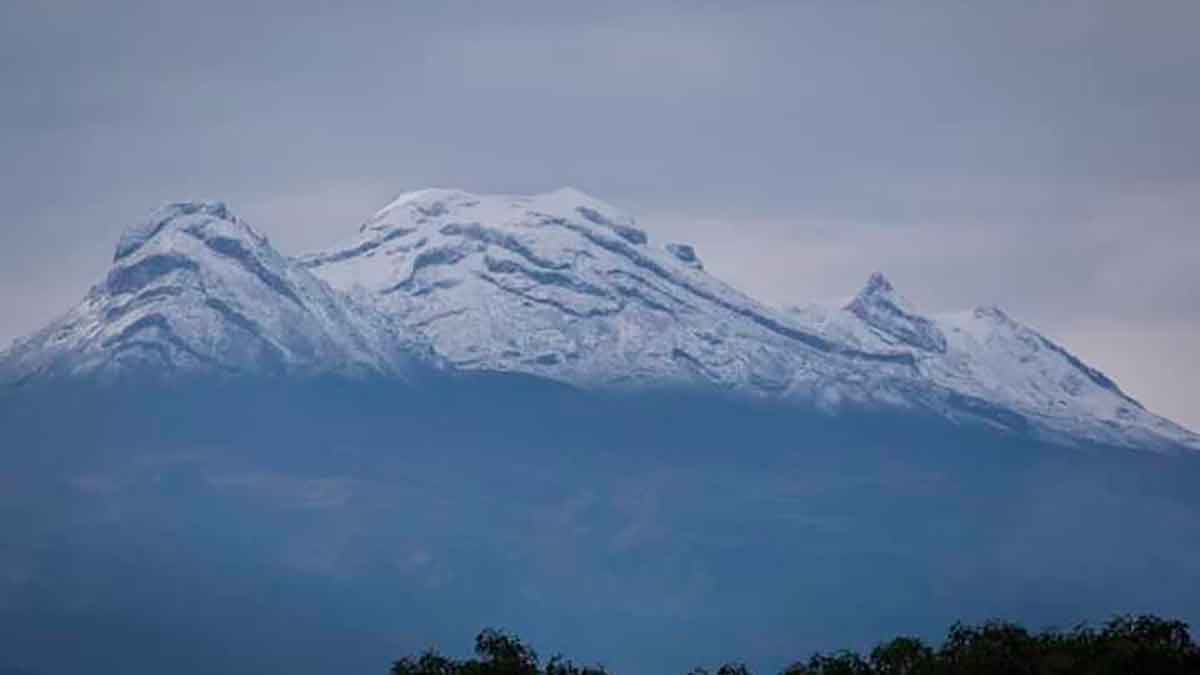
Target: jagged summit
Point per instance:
(879, 291)
(880, 306)
(558, 285)
(877, 286)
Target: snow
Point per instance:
(136, 235)
(564, 286)
(194, 290)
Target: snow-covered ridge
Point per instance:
(563, 286)
(195, 290)
(880, 307)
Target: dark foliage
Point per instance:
(1126, 644)
(496, 653)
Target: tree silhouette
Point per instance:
(902, 656)
(497, 653)
(1125, 644)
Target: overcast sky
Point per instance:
(1040, 156)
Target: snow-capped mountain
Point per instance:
(564, 286)
(561, 286)
(989, 364)
(194, 290)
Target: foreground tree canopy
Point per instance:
(1126, 644)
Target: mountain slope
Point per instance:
(564, 286)
(983, 357)
(194, 290)
(560, 286)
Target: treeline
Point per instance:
(1126, 644)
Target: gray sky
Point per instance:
(1040, 156)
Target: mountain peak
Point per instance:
(187, 236)
(135, 236)
(435, 208)
(193, 289)
(880, 292)
(881, 307)
(424, 196)
(878, 284)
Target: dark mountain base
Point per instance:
(330, 526)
